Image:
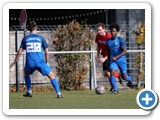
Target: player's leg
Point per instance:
(123, 70)
(127, 78)
(118, 75)
(27, 72)
(55, 84)
(46, 70)
(106, 73)
(113, 69)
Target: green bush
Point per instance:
(72, 68)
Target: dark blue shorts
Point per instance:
(43, 68)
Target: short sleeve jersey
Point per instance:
(34, 45)
(101, 41)
(115, 46)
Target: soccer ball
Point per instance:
(100, 90)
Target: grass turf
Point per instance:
(126, 99)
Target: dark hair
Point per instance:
(32, 25)
(114, 25)
(100, 24)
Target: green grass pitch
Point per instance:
(126, 99)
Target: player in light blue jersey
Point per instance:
(117, 52)
(35, 46)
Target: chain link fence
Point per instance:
(47, 32)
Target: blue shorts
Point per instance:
(43, 68)
(121, 64)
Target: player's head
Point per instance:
(100, 28)
(114, 28)
(32, 26)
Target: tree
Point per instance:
(140, 40)
(72, 68)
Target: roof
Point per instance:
(58, 16)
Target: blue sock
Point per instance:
(55, 85)
(113, 81)
(28, 82)
(128, 78)
(109, 78)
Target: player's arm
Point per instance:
(108, 50)
(45, 47)
(46, 55)
(108, 53)
(108, 61)
(17, 57)
(102, 60)
(98, 51)
(124, 49)
(122, 53)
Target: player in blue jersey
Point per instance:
(117, 51)
(35, 46)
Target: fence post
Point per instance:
(94, 70)
(25, 31)
(91, 70)
(17, 64)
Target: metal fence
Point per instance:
(125, 30)
(37, 78)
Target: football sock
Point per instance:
(28, 83)
(128, 78)
(110, 82)
(55, 85)
(116, 74)
(113, 81)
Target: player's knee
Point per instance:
(117, 74)
(112, 72)
(51, 76)
(106, 74)
(25, 73)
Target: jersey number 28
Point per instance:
(33, 47)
